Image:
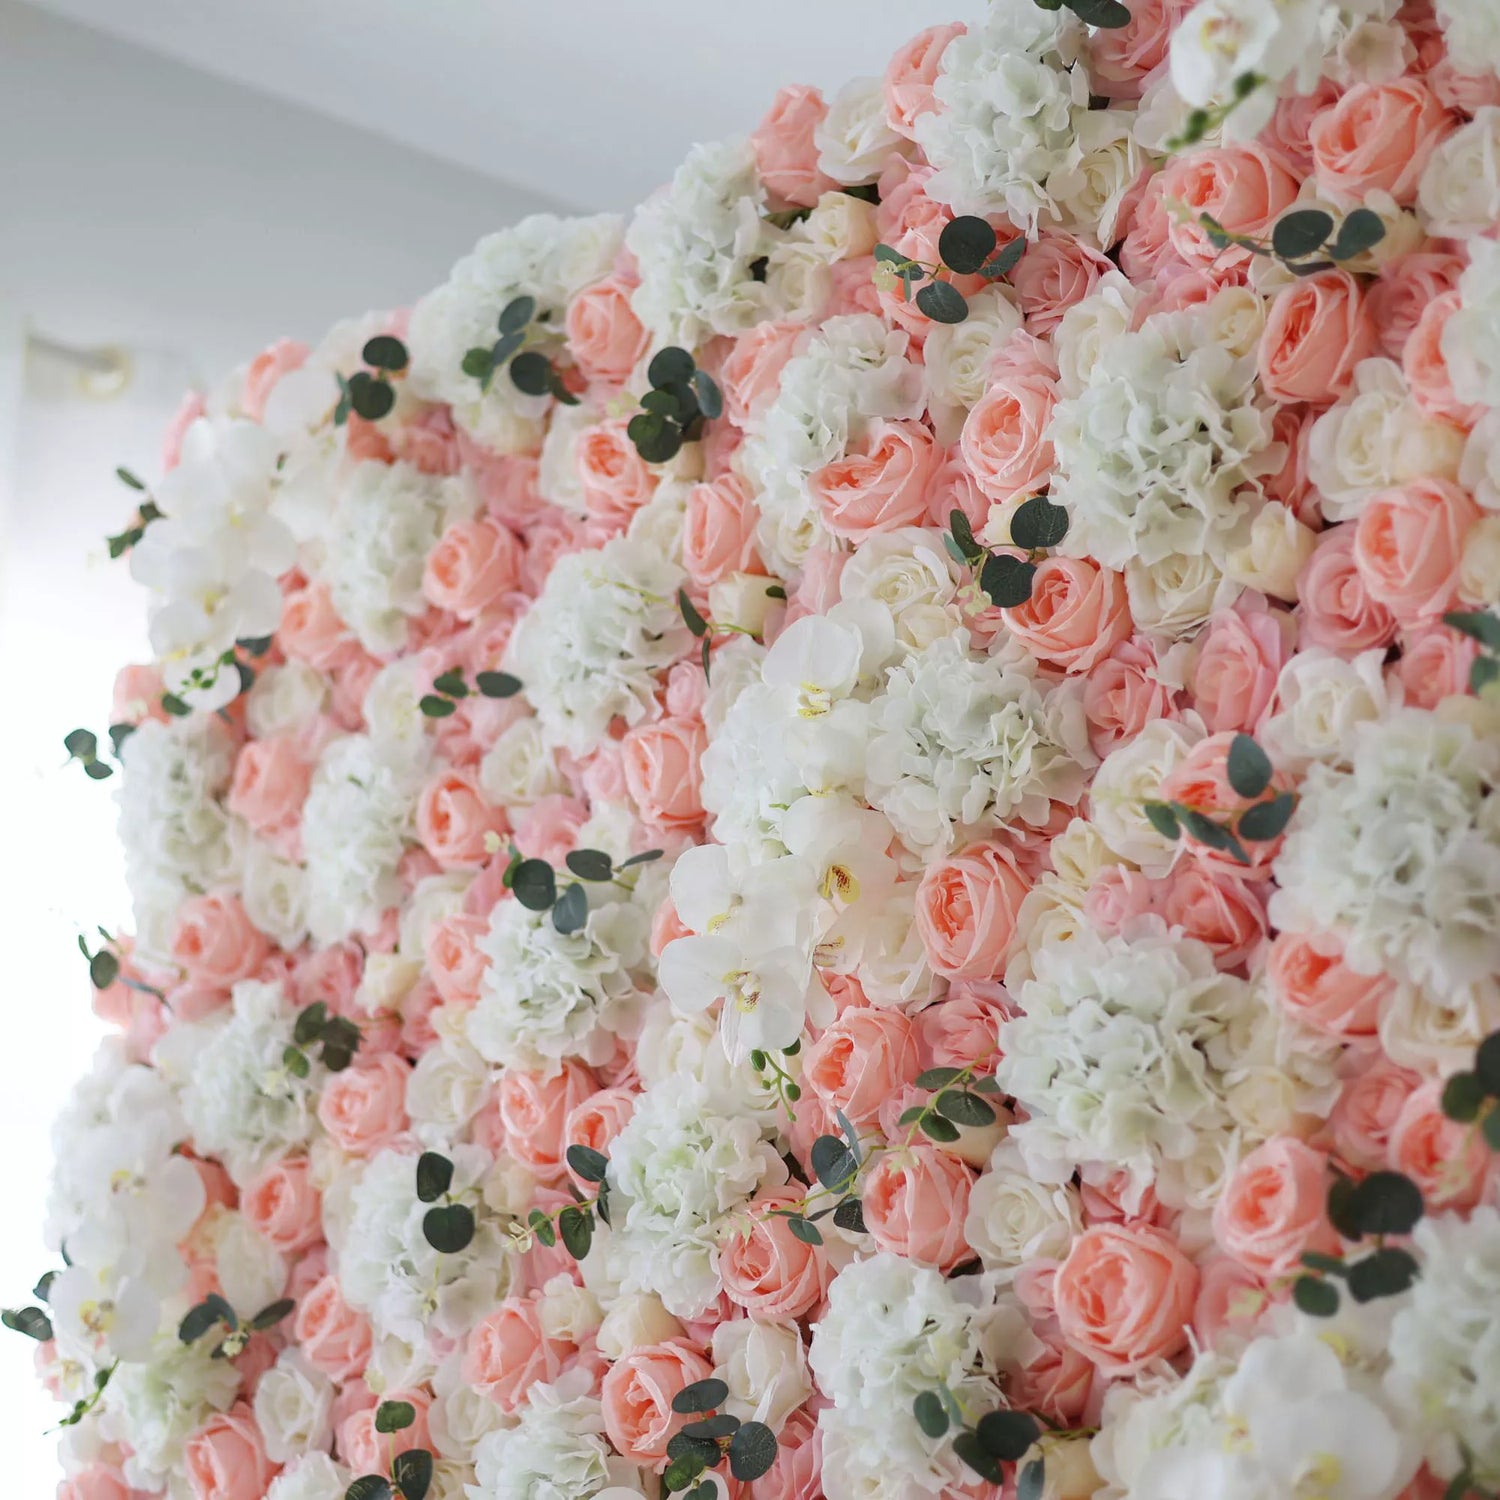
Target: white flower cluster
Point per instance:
(556, 1451)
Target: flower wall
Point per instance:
(839, 840)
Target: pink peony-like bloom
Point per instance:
(1309, 976)
(604, 335)
(1238, 660)
(663, 772)
(1316, 333)
(878, 486)
(637, 1392)
(226, 1458)
(966, 911)
(859, 1059)
(718, 534)
(508, 1352)
(768, 1271)
(1244, 188)
(284, 1205)
(214, 942)
(364, 1107)
(1272, 1207)
(1408, 544)
(910, 75)
(1004, 440)
(454, 822)
(915, 1202)
(1377, 137)
(1076, 615)
(472, 566)
(786, 154)
(534, 1109)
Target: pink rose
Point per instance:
(1057, 272)
(1243, 187)
(864, 1055)
(1408, 544)
(718, 531)
(1125, 1295)
(1426, 368)
(1272, 1207)
(1286, 136)
(454, 820)
(1147, 249)
(662, 765)
(1201, 781)
(965, 1028)
(137, 695)
(1122, 58)
(1308, 973)
(616, 480)
(1118, 897)
(596, 1121)
(1366, 1111)
(1123, 693)
(910, 75)
(1238, 660)
(284, 1206)
(473, 564)
(534, 1108)
(1408, 284)
(270, 785)
(311, 629)
(769, 1272)
(367, 1451)
(1447, 1160)
(966, 911)
(753, 368)
(1217, 908)
(214, 942)
(1434, 664)
(915, 1202)
(881, 484)
(1004, 438)
(637, 1393)
(226, 1458)
(604, 335)
(1076, 615)
(331, 975)
(797, 1473)
(1056, 1381)
(548, 829)
(189, 409)
(265, 370)
(1377, 138)
(96, 1481)
(453, 957)
(786, 155)
(507, 1353)
(335, 1337)
(1335, 607)
(1230, 1298)
(1316, 333)
(364, 1107)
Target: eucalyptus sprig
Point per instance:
(775, 1078)
(703, 629)
(1381, 1205)
(573, 1222)
(1107, 15)
(682, 401)
(534, 883)
(532, 372)
(410, 1471)
(84, 1405)
(1037, 526)
(450, 688)
(146, 513)
(1473, 1097)
(1249, 771)
(1481, 626)
(966, 247)
(711, 1438)
(1304, 240)
(368, 393)
(448, 1225)
(957, 1100)
(215, 1313)
(997, 1441)
(336, 1037)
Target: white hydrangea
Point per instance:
(555, 1451)
(589, 648)
(1400, 853)
(294, 1407)
(274, 892)
(695, 242)
(1321, 698)
(544, 257)
(1472, 30)
(678, 1171)
(313, 1476)
(1471, 337)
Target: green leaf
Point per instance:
(516, 314)
(31, 1321)
(534, 884)
(295, 1061)
(96, 770)
(1483, 670)
(1463, 1096)
(701, 1395)
(341, 1039)
(369, 1487)
(451, 683)
(209, 1312)
(690, 616)
(965, 244)
(850, 1216)
(394, 1416)
(478, 363)
(890, 254)
(571, 913)
(118, 734)
(587, 1163)
(964, 1108)
(577, 1230)
(531, 373)
(938, 1129)
(1316, 1297)
(1210, 834)
(502, 349)
(81, 744)
(497, 684)
(174, 705)
(752, 1451)
(590, 864)
(1007, 1435)
(1300, 233)
(710, 397)
(1478, 625)
(832, 1162)
(1031, 1482)
(804, 1230)
(684, 1471)
(930, 1415)
(1006, 260)
(942, 302)
(775, 591)
(968, 1447)
(657, 439)
(1386, 1272)
(435, 707)
(541, 1227)
(644, 858)
(1340, 1207)
(661, 404)
(1161, 817)
(1266, 820)
(1490, 1130)
(412, 1473)
(1248, 766)
(963, 536)
(385, 353)
(434, 1176)
(448, 1229)
(1461, 1486)
(126, 477)
(310, 1023)
(1387, 1203)
(1361, 230)
(711, 1429)
(1007, 580)
(104, 969)
(272, 1313)
(938, 1078)
(1330, 1265)
(43, 1287)
(371, 398)
(1487, 1064)
(670, 366)
(681, 1445)
(1038, 523)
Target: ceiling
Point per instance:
(591, 102)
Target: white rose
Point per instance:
(741, 599)
(315, 1476)
(274, 891)
(285, 699)
(633, 1321)
(509, 1188)
(1050, 916)
(1479, 568)
(434, 899)
(1459, 194)
(460, 1414)
(392, 709)
(1131, 775)
(1014, 1219)
(1175, 596)
(252, 1272)
(1079, 853)
(957, 356)
(1320, 697)
(1276, 553)
(1101, 166)
(447, 1086)
(1472, 31)
(1418, 1031)
(1479, 469)
(765, 1367)
(1105, 314)
(908, 574)
(294, 1407)
(853, 139)
(1471, 337)
(840, 227)
(568, 1311)
(519, 768)
(799, 283)
(386, 981)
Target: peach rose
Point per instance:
(769, 1272)
(1121, 58)
(616, 480)
(637, 1393)
(215, 943)
(1057, 272)
(718, 531)
(915, 1202)
(1056, 1381)
(1004, 440)
(534, 1109)
(662, 764)
(881, 484)
(1367, 1109)
(604, 335)
(1147, 250)
(453, 957)
(863, 1056)
(331, 975)
(1408, 543)
(786, 155)
(1125, 1295)
(966, 911)
(1448, 1161)
(548, 829)
(1377, 138)
(910, 75)
(473, 564)
(752, 370)
(1426, 368)
(1077, 613)
(1217, 908)
(284, 1206)
(453, 820)
(1335, 607)
(1272, 1207)
(270, 785)
(1238, 660)
(965, 1028)
(595, 1121)
(96, 1481)
(1243, 187)
(1316, 333)
(1311, 979)
(1408, 285)
(335, 1337)
(507, 1353)
(364, 1107)
(1118, 896)
(265, 370)
(367, 1451)
(311, 629)
(1434, 664)
(226, 1458)
(1230, 1298)
(1201, 780)
(1123, 693)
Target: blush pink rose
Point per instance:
(596, 1121)
(1426, 368)
(1367, 1109)
(215, 943)
(1057, 272)
(311, 629)
(1124, 1296)
(1435, 663)
(137, 695)
(663, 772)
(797, 1473)
(718, 531)
(1309, 976)
(548, 829)
(880, 485)
(1316, 333)
(1218, 909)
(507, 1353)
(270, 785)
(1004, 440)
(1335, 607)
(335, 1337)
(364, 1107)
(1147, 250)
(1123, 57)
(1077, 613)
(331, 975)
(265, 371)
(473, 564)
(284, 1206)
(1408, 544)
(96, 1481)
(910, 75)
(769, 1272)
(1201, 780)
(1286, 135)
(637, 1393)
(616, 480)
(1408, 285)
(1056, 1380)
(604, 335)
(1230, 1298)
(226, 1458)
(453, 957)
(1447, 1160)
(752, 370)
(1238, 660)
(786, 155)
(1118, 897)
(1377, 138)
(1242, 187)
(864, 1055)
(1272, 1207)
(534, 1108)
(915, 1203)
(966, 911)
(1123, 693)
(367, 1451)
(454, 821)
(965, 1028)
